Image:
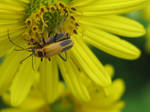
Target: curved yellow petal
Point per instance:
(116, 91)
(118, 88)
(15, 5)
(88, 62)
(109, 7)
(22, 83)
(72, 75)
(110, 69)
(49, 80)
(6, 45)
(33, 101)
(79, 3)
(8, 69)
(11, 14)
(115, 24)
(146, 12)
(111, 44)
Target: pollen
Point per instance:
(28, 22)
(49, 18)
(34, 28)
(43, 9)
(52, 9)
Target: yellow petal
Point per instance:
(79, 3)
(87, 61)
(6, 45)
(11, 14)
(16, 5)
(118, 88)
(115, 24)
(71, 76)
(115, 107)
(33, 101)
(102, 103)
(49, 80)
(15, 110)
(22, 83)
(8, 69)
(109, 69)
(109, 7)
(111, 44)
(116, 91)
(146, 12)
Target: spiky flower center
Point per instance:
(45, 18)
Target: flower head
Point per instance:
(31, 30)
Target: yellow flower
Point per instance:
(101, 102)
(66, 102)
(28, 23)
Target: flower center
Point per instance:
(45, 19)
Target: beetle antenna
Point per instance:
(25, 58)
(22, 50)
(32, 64)
(49, 59)
(62, 57)
(15, 43)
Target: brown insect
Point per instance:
(53, 49)
(47, 48)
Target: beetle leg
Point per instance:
(55, 38)
(37, 43)
(49, 59)
(25, 58)
(62, 57)
(41, 59)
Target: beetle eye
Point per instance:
(40, 54)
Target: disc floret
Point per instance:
(49, 18)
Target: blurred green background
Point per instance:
(136, 74)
